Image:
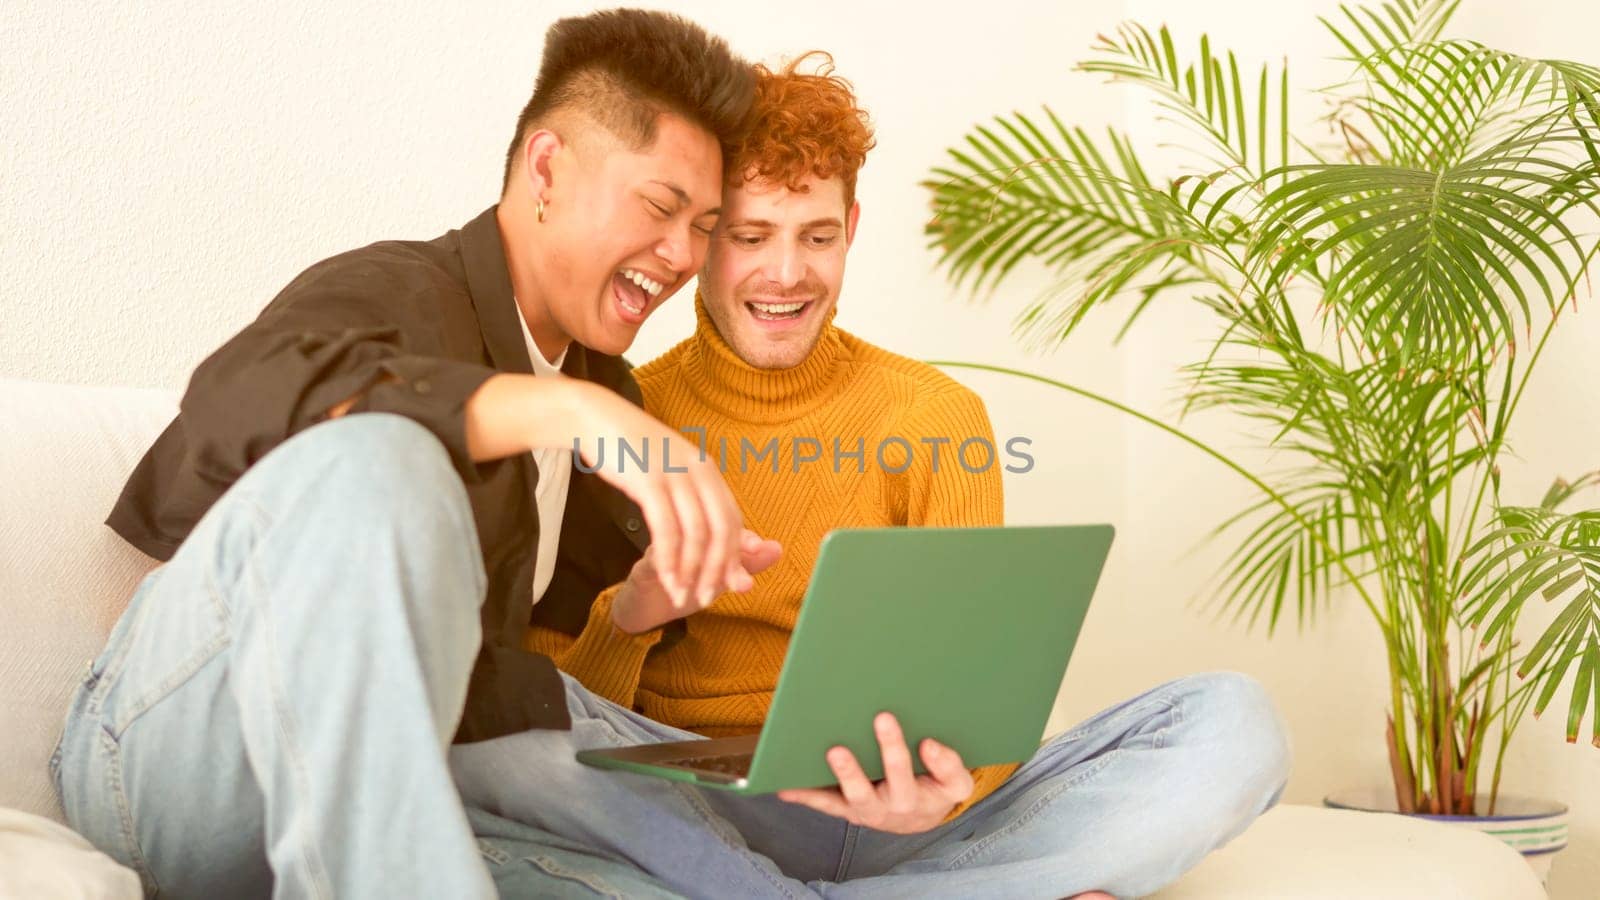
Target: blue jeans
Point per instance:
(1125, 803)
(272, 716)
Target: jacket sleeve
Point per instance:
(345, 327)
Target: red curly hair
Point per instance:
(802, 125)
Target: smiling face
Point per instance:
(775, 267)
(623, 230)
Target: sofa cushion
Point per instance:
(1310, 853)
(40, 858)
(64, 576)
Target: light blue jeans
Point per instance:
(272, 712)
(272, 716)
(1124, 802)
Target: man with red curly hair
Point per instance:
(1124, 802)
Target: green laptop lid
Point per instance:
(963, 633)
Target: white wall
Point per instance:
(166, 168)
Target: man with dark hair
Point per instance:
(577, 76)
(368, 490)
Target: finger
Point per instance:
(731, 570)
(739, 574)
(662, 517)
(650, 569)
(722, 545)
(853, 783)
(947, 770)
(827, 802)
(692, 548)
(754, 557)
(737, 577)
(897, 774)
(645, 569)
(749, 541)
(761, 557)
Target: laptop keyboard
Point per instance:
(737, 764)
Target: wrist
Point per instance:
(623, 616)
(552, 410)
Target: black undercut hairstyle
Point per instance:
(622, 68)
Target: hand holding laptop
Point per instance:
(903, 802)
(644, 602)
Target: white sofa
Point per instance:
(64, 577)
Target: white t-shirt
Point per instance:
(555, 476)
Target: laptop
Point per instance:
(963, 633)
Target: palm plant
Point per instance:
(1381, 299)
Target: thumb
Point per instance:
(944, 762)
(748, 540)
(761, 557)
(645, 569)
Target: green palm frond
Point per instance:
(1430, 101)
(1033, 194)
(1017, 191)
(1281, 557)
(1377, 448)
(1429, 104)
(1395, 23)
(1448, 263)
(1541, 552)
(1209, 94)
(1435, 103)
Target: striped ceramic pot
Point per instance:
(1535, 828)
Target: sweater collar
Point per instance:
(733, 387)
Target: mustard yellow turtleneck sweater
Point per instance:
(719, 678)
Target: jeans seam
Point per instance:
(1167, 697)
(494, 854)
(311, 863)
(1175, 707)
(130, 835)
(105, 681)
(179, 676)
(591, 881)
(99, 683)
(711, 820)
(847, 851)
(55, 764)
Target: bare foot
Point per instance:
(1092, 895)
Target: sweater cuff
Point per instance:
(600, 627)
(605, 659)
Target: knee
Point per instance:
(382, 450)
(374, 487)
(1238, 727)
(376, 469)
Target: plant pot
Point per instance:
(1535, 828)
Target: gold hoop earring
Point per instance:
(541, 210)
